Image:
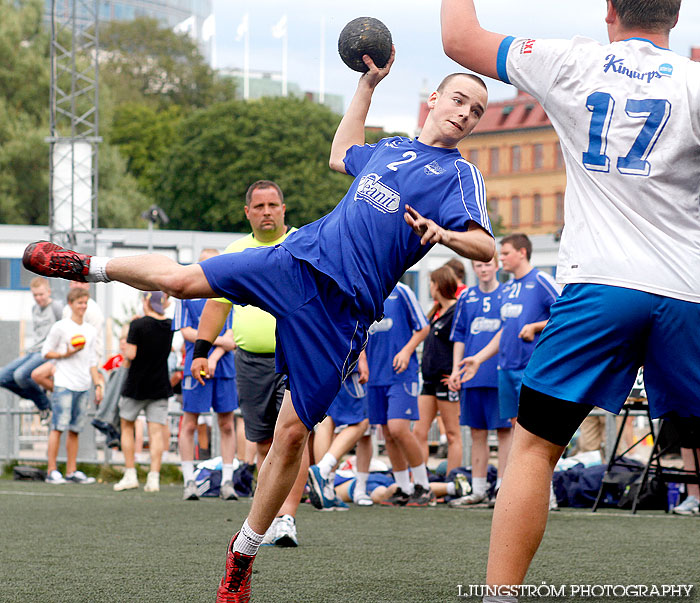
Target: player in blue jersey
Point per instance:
(326, 283)
(524, 311)
(217, 393)
(477, 320)
(627, 114)
(392, 393)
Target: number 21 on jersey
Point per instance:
(654, 111)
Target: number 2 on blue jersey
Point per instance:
(655, 112)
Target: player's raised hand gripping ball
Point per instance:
(78, 342)
(364, 35)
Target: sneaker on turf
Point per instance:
(690, 506)
(286, 535)
(49, 259)
(362, 499)
(271, 533)
(190, 491)
(78, 477)
(227, 492)
(55, 477)
(462, 485)
(45, 416)
(318, 490)
(128, 482)
(339, 505)
(421, 497)
(152, 482)
(235, 585)
(398, 499)
(464, 502)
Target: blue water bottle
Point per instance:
(674, 495)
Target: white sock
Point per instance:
(187, 470)
(479, 485)
(226, 473)
(498, 482)
(361, 483)
(97, 273)
(443, 439)
(248, 541)
(403, 481)
(326, 464)
(420, 476)
(451, 489)
(153, 476)
(130, 472)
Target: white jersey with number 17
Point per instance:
(628, 118)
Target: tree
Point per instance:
(142, 61)
(202, 180)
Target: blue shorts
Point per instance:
(479, 408)
(509, 383)
(350, 405)
(598, 336)
(217, 393)
(319, 331)
(68, 408)
(398, 401)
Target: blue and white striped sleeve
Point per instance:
(418, 318)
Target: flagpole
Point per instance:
(322, 76)
(284, 63)
(246, 64)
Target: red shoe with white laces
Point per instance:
(235, 585)
(49, 259)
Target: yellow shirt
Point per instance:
(253, 328)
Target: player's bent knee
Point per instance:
(550, 418)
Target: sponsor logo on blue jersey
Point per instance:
(378, 194)
(616, 65)
(382, 326)
(433, 168)
(484, 325)
(509, 310)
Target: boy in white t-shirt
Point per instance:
(71, 343)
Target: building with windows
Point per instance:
(517, 150)
(195, 17)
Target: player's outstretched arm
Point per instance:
(465, 41)
(351, 130)
(474, 244)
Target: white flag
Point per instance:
(242, 28)
(279, 29)
(208, 28)
(187, 26)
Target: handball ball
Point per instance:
(364, 35)
(78, 342)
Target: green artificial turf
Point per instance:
(88, 543)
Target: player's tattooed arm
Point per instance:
(474, 244)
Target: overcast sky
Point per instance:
(415, 27)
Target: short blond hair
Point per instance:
(39, 281)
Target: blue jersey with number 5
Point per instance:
(364, 244)
(628, 118)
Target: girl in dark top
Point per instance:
(436, 368)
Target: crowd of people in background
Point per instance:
(474, 341)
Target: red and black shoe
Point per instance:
(49, 259)
(235, 585)
(421, 497)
